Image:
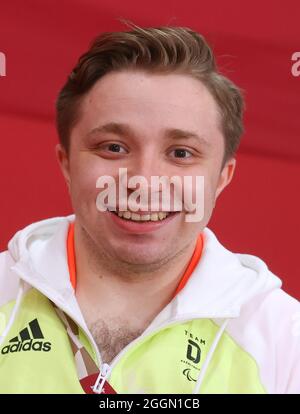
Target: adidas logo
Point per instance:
(29, 339)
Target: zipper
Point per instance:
(99, 384)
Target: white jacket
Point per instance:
(249, 327)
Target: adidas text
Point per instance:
(27, 346)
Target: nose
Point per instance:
(158, 192)
(145, 166)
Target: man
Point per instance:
(137, 300)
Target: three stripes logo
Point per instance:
(30, 338)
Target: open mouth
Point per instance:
(145, 217)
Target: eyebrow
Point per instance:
(125, 131)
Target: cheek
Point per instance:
(198, 188)
(203, 194)
(85, 174)
(208, 190)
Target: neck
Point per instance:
(110, 288)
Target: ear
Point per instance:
(63, 160)
(225, 176)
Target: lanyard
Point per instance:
(91, 380)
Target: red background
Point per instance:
(253, 42)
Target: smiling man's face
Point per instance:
(152, 125)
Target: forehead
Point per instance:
(150, 104)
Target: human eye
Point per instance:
(114, 147)
(182, 153)
(110, 149)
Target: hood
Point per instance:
(40, 256)
(220, 285)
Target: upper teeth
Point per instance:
(143, 217)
